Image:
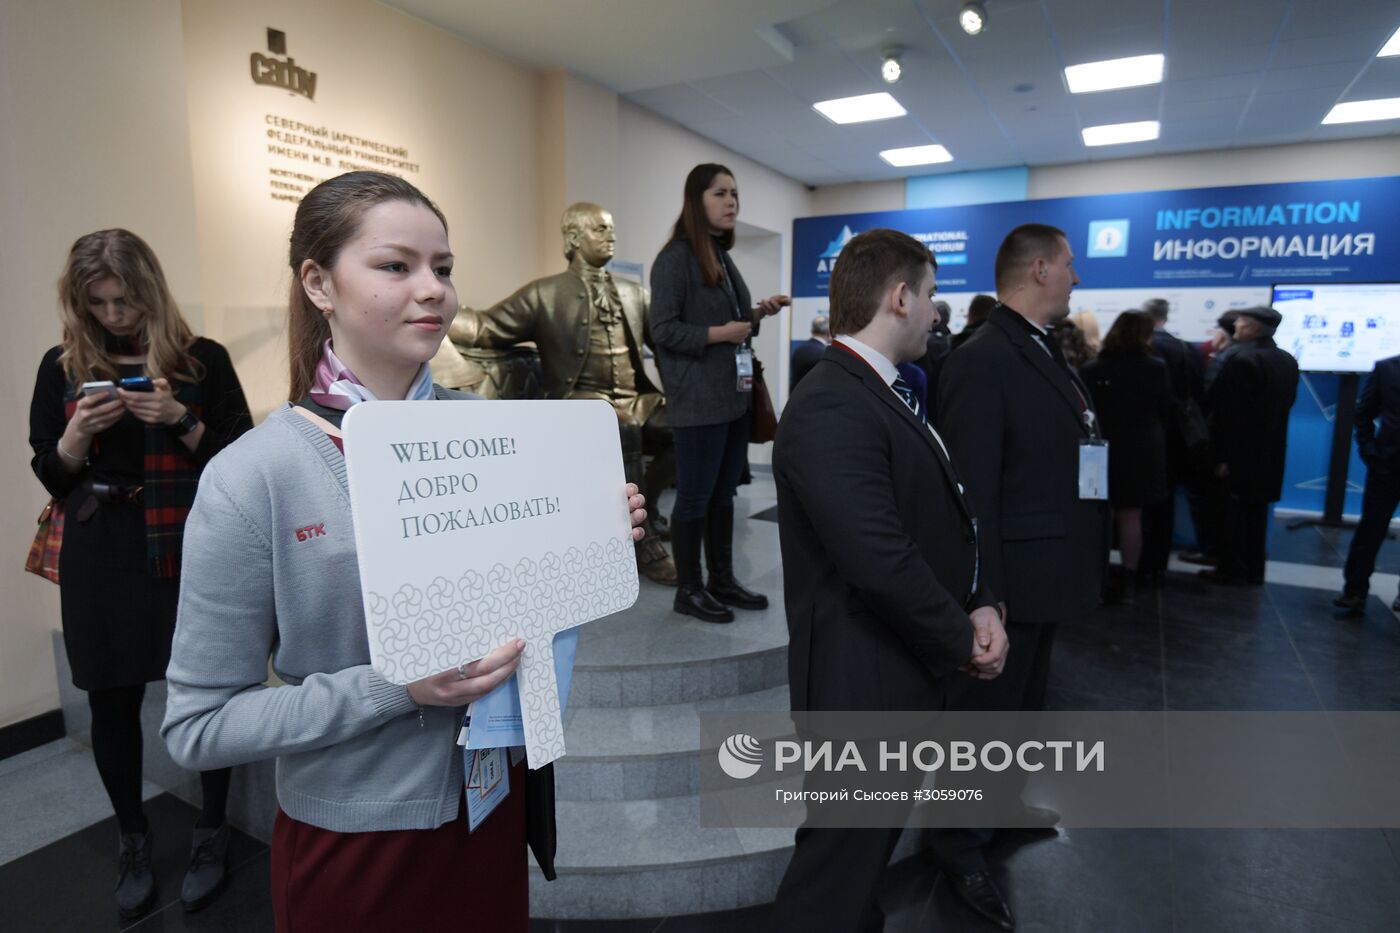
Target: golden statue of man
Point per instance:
(590, 329)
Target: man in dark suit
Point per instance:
(882, 574)
(977, 310)
(940, 344)
(1184, 370)
(1249, 404)
(1020, 423)
(1381, 454)
(811, 350)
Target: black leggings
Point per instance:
(116, 744)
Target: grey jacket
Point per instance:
(351, 753)
(700, 380)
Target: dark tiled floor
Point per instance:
(67, 885)
(1185, 646)
(1324, 547)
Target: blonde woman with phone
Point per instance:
(127, 409)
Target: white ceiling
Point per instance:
(746, 72)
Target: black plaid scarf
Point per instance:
(168, 488)
(171, 475)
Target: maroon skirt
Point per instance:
(444, 878)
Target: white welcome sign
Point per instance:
(477, 523)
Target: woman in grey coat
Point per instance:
(702, 319)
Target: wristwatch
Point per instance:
(187, 423)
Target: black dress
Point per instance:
(118, 619)
(1133, 398)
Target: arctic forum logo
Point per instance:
(1108, 239)
(740, 756)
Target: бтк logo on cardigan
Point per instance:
(278, 73)
(311, 531)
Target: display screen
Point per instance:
(1338, 327)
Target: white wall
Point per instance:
(654, 156)
(94, 133)
(1351, 158)
(859, 197)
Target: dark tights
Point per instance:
(116, 744)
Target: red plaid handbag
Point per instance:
(43, 553)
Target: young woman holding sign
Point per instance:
(371, 831)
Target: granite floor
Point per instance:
(1181, 647)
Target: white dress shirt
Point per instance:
(887, 371)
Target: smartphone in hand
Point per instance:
(137, 384)
(104, 388)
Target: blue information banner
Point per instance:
(1255, 235)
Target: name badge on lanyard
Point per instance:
(487, 783)
(1093, 469)
(743, 365)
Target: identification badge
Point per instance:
(743, 364)
(488, 783)
(1093, 469)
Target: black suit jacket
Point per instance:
(1380, 399)
(879, 547)
(1011, 415)
(1249, 405)
(1183, 364)
(804, 358)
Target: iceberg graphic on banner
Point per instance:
(833, 249)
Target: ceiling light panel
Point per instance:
(1364, 111)
(1114, 134)
(1392, 47)
(862, 109)
(916, 155)
(1115, 73)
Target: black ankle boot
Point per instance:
(136, 886)
(691, 598)
(719, 556)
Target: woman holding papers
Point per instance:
(702, 319)
(371, 832)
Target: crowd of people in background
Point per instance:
(1208, 419)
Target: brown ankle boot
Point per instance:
(654, 563)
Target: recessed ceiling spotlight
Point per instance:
(1115, 73)
(860, 109)
(916, 155)
(1113, 134)
(890, 69)
(972, 18)
(1363, 111)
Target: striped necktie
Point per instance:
(902, 389)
